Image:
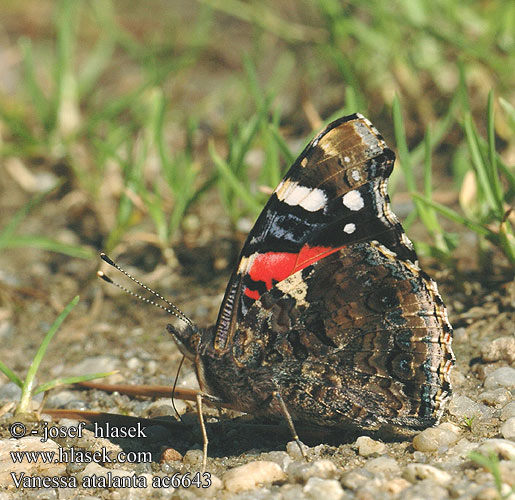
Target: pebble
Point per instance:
(279, 457)
(292, 448)
(496, 397)
(502, 377)
(434, 438)
(499, 349)
(317, 488)
(508, 411)
(250, 475)
(508, 429)
(10, 392)
(420, 491)
(367, 446)
(503, 448)
(418, 472)
(356, 478)
(383, 465)
(395, 486)
(507, 470)
(39, 468)
(463, 407)
(301, 472)
(193, 457)
(64, 399)
(170, 455)
(291, 492)
(95, 364)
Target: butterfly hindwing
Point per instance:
(358, 338)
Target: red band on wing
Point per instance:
(272, 267)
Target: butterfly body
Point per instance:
(328, 307)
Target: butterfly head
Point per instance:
(187, 339)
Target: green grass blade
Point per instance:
(227, 174)
(479, 164)
(28, 384)
(42, 243)
(10, 374)
(456, 217)
(71, 380)
(492, 154)
(509, 109)
(41, 103)
(491, 464)
(7, 232)
(402, 144)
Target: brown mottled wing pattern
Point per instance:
(359, 338)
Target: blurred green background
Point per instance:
(148, 120)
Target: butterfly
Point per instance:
(328, 318)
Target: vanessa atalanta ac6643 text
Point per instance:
(328, 318)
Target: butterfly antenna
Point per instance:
(172, 309)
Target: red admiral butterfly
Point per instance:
(328, 318)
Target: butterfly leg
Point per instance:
(199, 397)
(204, 432)
(287, 416)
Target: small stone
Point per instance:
(507, 470)
(496, 397)
(317, 488)
(279, 457)
(508, 411)
(395, 486)
(95, 364)
(39, 468)
(170, 455)
(501, 447)
(99, 471)
(433, 439)
(133, 364)
(488, 493)
(463, 407)
(291, 492)
(367, 446)
(418, 472)
(508, 429)
(356, 478)
(10, 392)
(383, 465)
(449, 426)
(216, 485)
(502, 348)
(463, 447)
(193, 457)
(250, 475)
(301, 472)
(426, 489)
(292, 448)
(64, 399)
(502, 377)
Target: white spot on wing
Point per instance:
(349, 228)
(353, 201)
(310, 199)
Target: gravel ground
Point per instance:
(251, 459)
